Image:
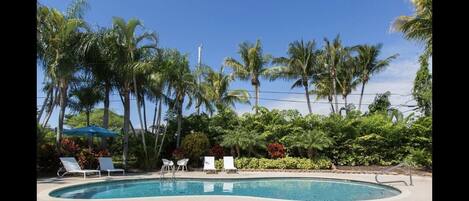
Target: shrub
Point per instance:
(89, 159)
(276, 150)
(47, 159)
(419, 157)
(253, 163)
(242, 163)
(69, 147)
(195, 145)
(216, 151)
(305, 164)
(219, 164)
(283, 163)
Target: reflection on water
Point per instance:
(292, 189)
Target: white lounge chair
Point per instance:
(228, 164)
(209, 164)
(182, 164)
(71, 166)
(105, 164)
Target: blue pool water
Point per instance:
(310, 189)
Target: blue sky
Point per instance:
(221, 25)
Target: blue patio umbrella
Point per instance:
(90, 132)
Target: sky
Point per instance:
(221, 25)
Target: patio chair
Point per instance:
(209, 164)
(105, 164)
(228, 164)
(182, 164)
(71, 166)
(167, 164)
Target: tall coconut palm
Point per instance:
(254, 64)
(348, 77)
(368, 64)
(333, 57)
(301, 65)
(96, 54)
(218, 83)
(201, 92)
(182, 81)
(127, 66)
(57, 36)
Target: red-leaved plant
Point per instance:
(69, 147)
(276, 150)
(178, 154)
(216, 151)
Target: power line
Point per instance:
(289, 92)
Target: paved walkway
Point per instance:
(420, 191)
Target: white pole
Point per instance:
(199, 60)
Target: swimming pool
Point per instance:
(310, 189)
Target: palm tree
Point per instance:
(253, 65)
(301, 65)
(347, 77)
(57, 35)
(218, 83)
(310, 140)
(96, 52)
(182, 81)
(201, 92)
(126, 60)
(419, 26)
(333, 57)
(368, 64)
(84, 95)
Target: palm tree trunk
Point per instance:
(361, 96)
(90, 138)
(126, 126)
(238, 153)
(165, 129)
(49, 94)
(179, 121)
(157, 128)
(140, 116)
(329, 98)
(47, 118)
(144, 115)
(63, 102)
(257, 96)
(154, 117)
(307, 97)
(334, 89)
(107, 91)
(50, 108)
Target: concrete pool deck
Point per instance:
(420, 191)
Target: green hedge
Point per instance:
(281, 163)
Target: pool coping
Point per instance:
(45, 194)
